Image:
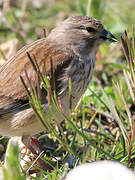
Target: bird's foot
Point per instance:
(36, 149)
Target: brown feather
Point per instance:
(11, 87)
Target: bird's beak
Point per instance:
(107, 36)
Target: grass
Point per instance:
(102, 126)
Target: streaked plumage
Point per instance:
(73, 46)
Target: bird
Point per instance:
(72, 46)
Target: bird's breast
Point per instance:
(80, 72)
(84, 75)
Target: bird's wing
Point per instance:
(12, 92)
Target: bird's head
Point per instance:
(82, 34)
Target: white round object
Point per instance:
(101, 170)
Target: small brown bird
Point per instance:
(73, 46)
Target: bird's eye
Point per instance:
(90, 29)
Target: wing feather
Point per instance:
(12, 93)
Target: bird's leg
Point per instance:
(34, 147)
